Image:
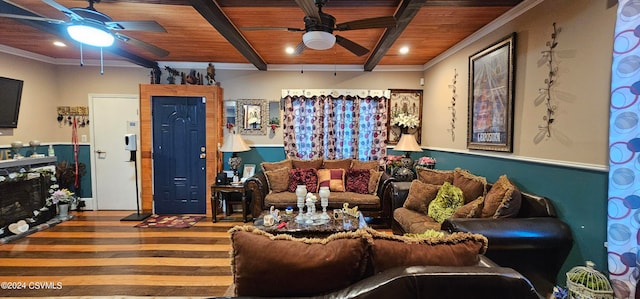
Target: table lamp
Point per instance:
(407, 143)
(234, 144)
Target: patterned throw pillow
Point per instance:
(449, 199)
(332, 178)
(307, 177)
(358, 181)
(278, 180)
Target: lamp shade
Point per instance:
(318, 40)
(407, 143)
(234, 143)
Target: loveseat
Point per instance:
(523, 230)
(358, 183)
(369, 264)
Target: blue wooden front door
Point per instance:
(179, 162)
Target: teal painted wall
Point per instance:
(579, 195)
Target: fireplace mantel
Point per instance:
(26, 163)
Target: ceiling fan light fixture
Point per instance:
(318, 40)
(90, 35)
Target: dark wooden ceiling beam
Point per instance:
(404, 14)
(212, 12)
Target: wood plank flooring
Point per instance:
(95, 254)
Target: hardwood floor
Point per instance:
(95, 254)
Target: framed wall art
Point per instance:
(404, 102)
(252, 117)
(491, 90)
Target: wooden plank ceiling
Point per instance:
(211, 30)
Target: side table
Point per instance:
(216, 192)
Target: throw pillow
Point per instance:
(332, 178)
(335, 164)
(457, 249)
(373, 165)
(448, 199)
(268, 265)
(472, 209)
(316, 163)
(420, 196)
(472, 186)
(374, 180)
(434, 176)
(502, 200)
(278, 180)
(307, 177)
(357, 180)
(269, 166)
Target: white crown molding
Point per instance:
(513, 13)
(61, 61)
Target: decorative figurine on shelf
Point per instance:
(192, 78)
(173, 73)
(211, 73)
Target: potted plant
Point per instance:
(61, 198)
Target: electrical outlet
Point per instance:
(83, 138)
(606, 244)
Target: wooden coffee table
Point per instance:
(292, 227)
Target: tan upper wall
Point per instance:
(269, 85)
(584, 51)
(579, 134)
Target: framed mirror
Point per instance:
(252, 117)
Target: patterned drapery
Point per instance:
(623, 235)
(335, 127)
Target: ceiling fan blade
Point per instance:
(352, 46)
(378, 22)
(141, 44)
(299, 49)
(63, 9)
(272, 28)
(23, 17)
(310, 9)
(151, 26)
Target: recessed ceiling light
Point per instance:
(59, 44)
(289, 50)
(404, 50)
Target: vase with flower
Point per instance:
(405, 122)
(62, 199)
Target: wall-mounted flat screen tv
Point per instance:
(10, 95)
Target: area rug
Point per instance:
(170, 221)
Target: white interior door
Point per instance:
(114, 177)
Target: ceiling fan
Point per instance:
(87, 25)
(319, 27)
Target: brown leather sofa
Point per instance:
(535, 242)
(375, 208)
(486, 280)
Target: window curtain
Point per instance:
(335, 126)
(623, 235)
